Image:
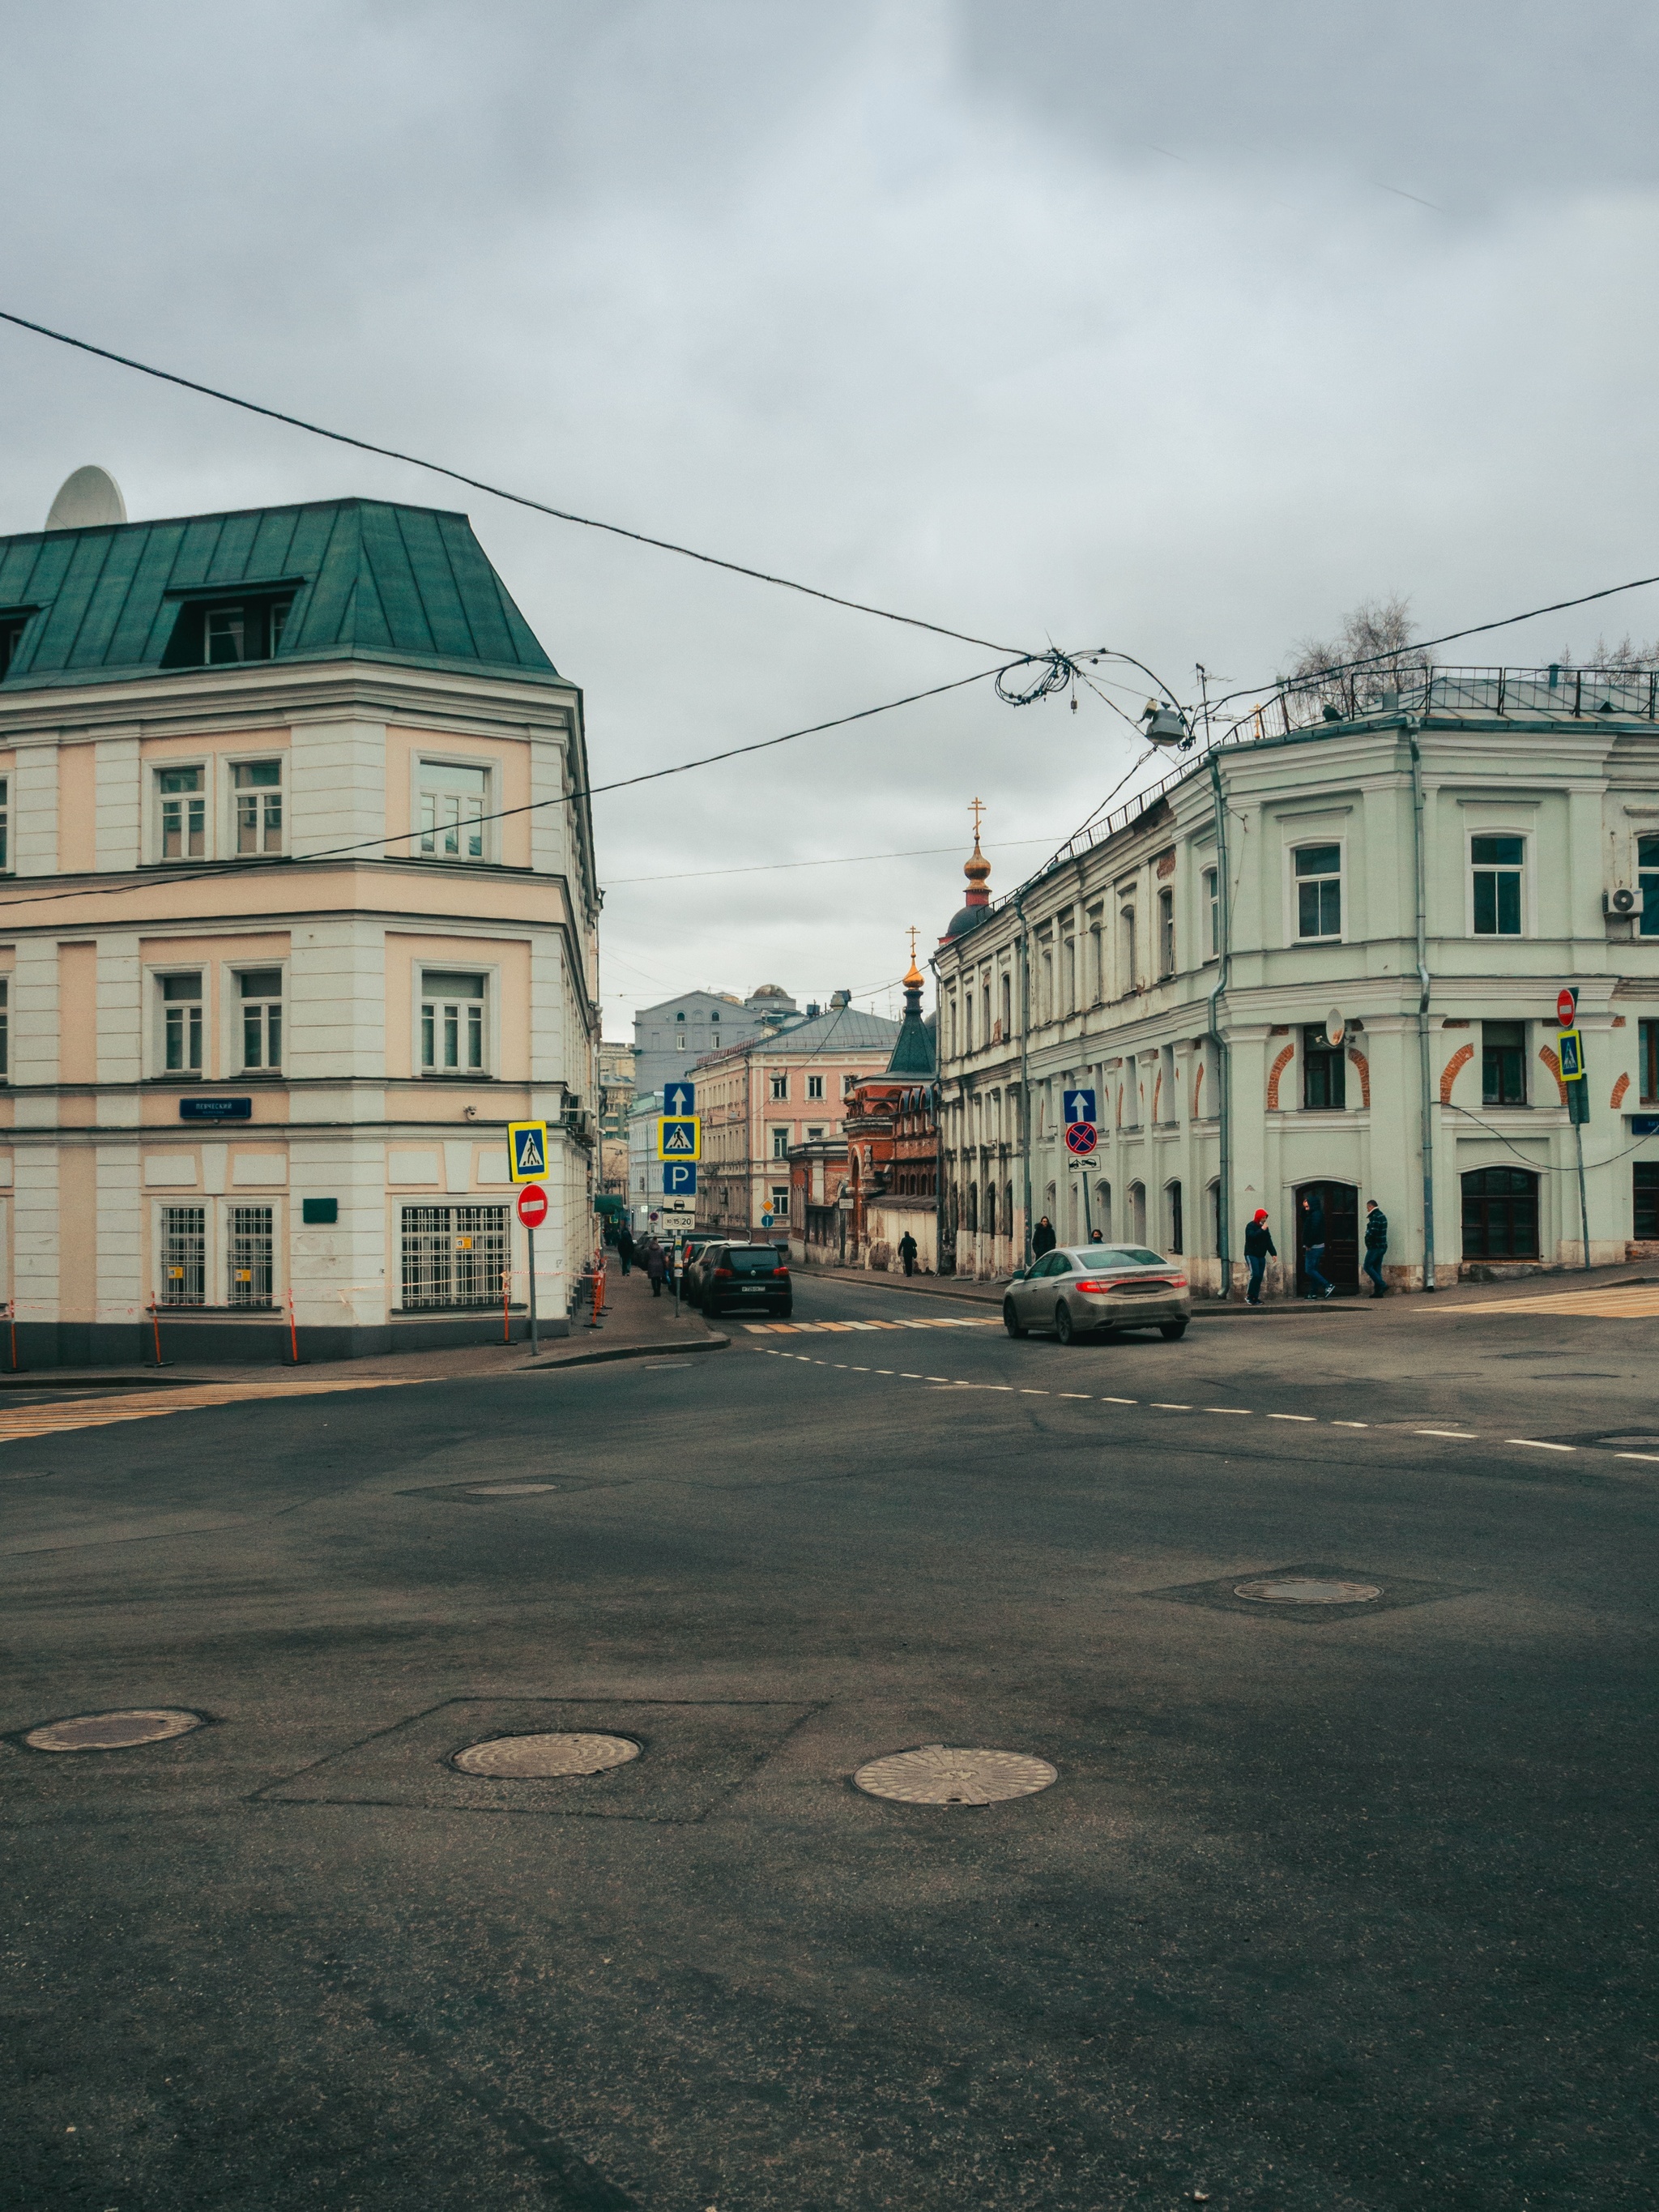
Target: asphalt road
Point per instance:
(1344, 1908)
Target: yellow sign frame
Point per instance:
(514, 1130)
(667, 1122)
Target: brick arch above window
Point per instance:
(1274, 1073)
(1363, 1067)
(1554, 1067)
(1618, 1090)
(1454, 1067)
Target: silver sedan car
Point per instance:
(1082, 1289)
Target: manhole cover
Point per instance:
(508, 1489)
(940, 1774)
(1303, 1589)
(112, 1731)
(532, 1757)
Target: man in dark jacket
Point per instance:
(1259, 1249)
(656, 1266)
(907, 1251)
(1313, 1247)
(624, 1245)
(1377, 1244)
(1043, 1237)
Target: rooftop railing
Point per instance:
(1408, 688)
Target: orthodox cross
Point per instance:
(977, 808)
(913, 943)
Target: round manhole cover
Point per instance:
(112, 1731)
(1307, 1590)
(534, 1757)
(941, 1774)
(508, 1489)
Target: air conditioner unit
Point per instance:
(1622, 902)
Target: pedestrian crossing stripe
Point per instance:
(184, 1398)
(821, 1327)
(1619, 1302)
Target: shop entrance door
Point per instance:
(1340, 1264)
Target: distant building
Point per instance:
(891, 1121)
(669, 1036)
(758, 1101)
(616, 1096)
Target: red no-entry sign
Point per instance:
(1567, 1006)
(532, 1205)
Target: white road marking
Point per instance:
(1105, 1400)
(1072, 1394)
(1164, 1406)
(1291, 1416)
(1230, 1409)
(1537, 1443)
(1350, 1424)
(1653, 1456)
(1463, 1436)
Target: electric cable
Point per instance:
(835, 861)
(1546, 1169)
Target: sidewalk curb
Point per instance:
(711, 1343)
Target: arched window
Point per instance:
(1137, 1212)
(990, 1209)
(1500, 1214)
(1103, 1210)
(971, 1209)
(1175, 1226)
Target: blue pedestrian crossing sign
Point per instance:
(679, 1097)
(679, 1137)
(1079, 1105)
(679, 1178)
(526, 1150)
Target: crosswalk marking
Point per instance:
(1621, 1301)
(185, 1397)
(818, 1327)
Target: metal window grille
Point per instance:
(453, 1256)
(251, 1251)
(184, 1255)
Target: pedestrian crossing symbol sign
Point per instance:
(1570, 1045)
(526, 1150)
(679, 1137)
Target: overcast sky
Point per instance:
(1176, 329)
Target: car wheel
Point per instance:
(1065, 1327)
(1010, 1320)
(1172, 1331)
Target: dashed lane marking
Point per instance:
(141, 1405)
(1023, 1390)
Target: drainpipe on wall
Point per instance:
(1425, 1073)
(1024, 1065)
(1223, 1059)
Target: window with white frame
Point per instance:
(779, 1201)
(260, 990)
(780, 1144)
(225, 632)
(1166, 936)
(250, 1250)
(181, 800)
(5, 824)
(781, 1086)
(1318, 890)
(815, 1086)
(5, 1030)
(257, 797)
(1126, 951)
(452, 1023)
(1495, 864)
(180, 1022)
(183, 1256)
(452, 802)
(1213, 907)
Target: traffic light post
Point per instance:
(1575, 1083)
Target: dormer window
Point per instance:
(213, 632)
(11, 636)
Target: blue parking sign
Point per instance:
(1079, 1105)
(679, 1179)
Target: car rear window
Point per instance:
(752, 1260)
(1125, 1255)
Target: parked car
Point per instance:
(696, 1250)
(1084, 1289)
(745, 1279)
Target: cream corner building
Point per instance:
(1433, 865)
(299, 911)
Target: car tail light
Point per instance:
(725, 1275)
(1093, 1285)
(1177, 1282)
(781, 1271)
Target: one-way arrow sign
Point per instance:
(679, 1097)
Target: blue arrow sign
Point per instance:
(679, 1179)
(679, 1098)
(1079, 1105)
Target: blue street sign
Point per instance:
(679, 1138)
(1079, 1105)
(527, 1150)
(1644, 1125)
(679, 1098)
(216, 1110)
(679, 1179)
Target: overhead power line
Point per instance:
(499, 491)
(835, 861)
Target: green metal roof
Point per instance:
(369, 581)
(913, 1049)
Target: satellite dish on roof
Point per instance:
(89, 496)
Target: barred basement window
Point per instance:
(251, 1247)
(453, 1256)
(184, 1255)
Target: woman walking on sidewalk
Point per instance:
(656, 1266)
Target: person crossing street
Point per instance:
(1377, 1244)
(1259, 1249)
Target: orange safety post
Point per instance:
(598, 1292)
(156, 1323)
(293, 1333)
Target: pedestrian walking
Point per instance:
(907, 1249)
(1259, 1249)
(624, 1246)
(656, 1266)
(1313, 1247)
(1043, 1237)
(1377, 1244)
